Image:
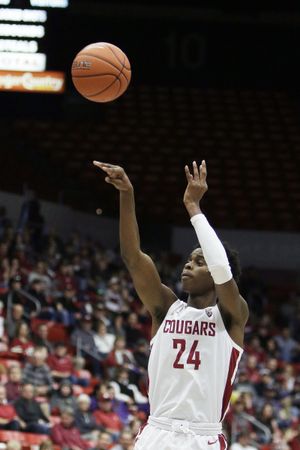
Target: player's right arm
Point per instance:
(156, 296)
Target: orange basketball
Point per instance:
(101, 72)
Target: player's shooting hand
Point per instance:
(116, 176)
(196, 184)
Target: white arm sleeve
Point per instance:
(213, 250)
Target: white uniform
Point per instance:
(192, 366)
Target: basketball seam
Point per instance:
(101, 59)
(107, 87)
(122, 73)
(123, 63)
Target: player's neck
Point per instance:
(202, 301)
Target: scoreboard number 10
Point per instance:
(187, 51)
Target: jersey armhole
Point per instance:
(220, 318)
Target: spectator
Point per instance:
(22, 343)
(3, 335)
(288, 414)
(15, 318)
(288, 347)
(65, 277)
(66, 435)
(133, 330)
(15, 284)
(267, 417)
(13, 385)
(80, 375)
(83, 339)
(40, 338)
(106, 417)
(105, 441)
(84, 419)
(46, 445)
(37, 290)
(243, 442)
(126, 391)
(113, 299)
(8, 415)
(120, 356)
(60, 362)
(38, 373)
(30, 412)
(272, 350)
(294, 442)
(100, 313)
(141, 354)
(13, 445)
(104, 341)
(63, 398)
(125, 441)
(119, 326)
(41, 273)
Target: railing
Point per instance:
(256, 423)
(28, 296)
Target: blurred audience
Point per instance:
(30, 412)
(66, 434)
(89, 391)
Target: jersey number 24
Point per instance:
(194, 354)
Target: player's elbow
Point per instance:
(129, 258)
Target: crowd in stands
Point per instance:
(73, 366)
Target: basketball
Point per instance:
(101, 72)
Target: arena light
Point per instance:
(32, 31)
(23, 15)
(50, 3)
(15, 45)
(35, 62)
(4, 2)
(43, 82)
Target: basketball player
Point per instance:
(196, 346)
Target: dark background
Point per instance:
(207, 82)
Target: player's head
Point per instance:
(196, 278)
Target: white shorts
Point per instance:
(153, 437)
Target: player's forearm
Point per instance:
(129, 231)
(213, 250)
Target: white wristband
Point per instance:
(213, 250)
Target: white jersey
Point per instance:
(192, 365)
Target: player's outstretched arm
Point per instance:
(156, 297)
(212, 248)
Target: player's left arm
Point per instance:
(230, 300)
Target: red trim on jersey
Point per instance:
(228, 387)
(141, 429)
(222, 442)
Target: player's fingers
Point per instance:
(115, 182)
(203, 171)
(115, 172)
(107, 167)
(101, 166)
(188, 174)
(195, 170)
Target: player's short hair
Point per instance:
(234, 261)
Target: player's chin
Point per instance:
(186, 284)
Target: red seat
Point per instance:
(25, 438)
(56, 331)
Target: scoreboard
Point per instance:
(28, 36)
